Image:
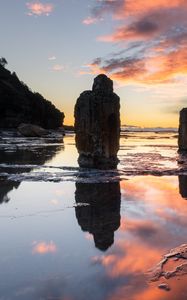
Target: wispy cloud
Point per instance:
(89, 21)
(57, 68)
(52, 57)
(153, 38)
(37, 8)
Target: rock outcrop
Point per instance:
(18, 104)
(182, 140)
(102, 216)
(97, 125)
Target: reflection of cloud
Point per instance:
(53, 57)
(44, 248)
(129, 259)
(38, 8)
(59, 192)
(159, 28)
(54, 202)
(154, 222)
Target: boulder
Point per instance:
(29, 130)
(97, 125)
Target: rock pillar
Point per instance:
(182, 141)
(97, 125)
(183, 186)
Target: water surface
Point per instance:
(77, 234)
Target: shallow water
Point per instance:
(77, 234)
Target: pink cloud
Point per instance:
(37, 8)
(44, 248)
(89, 21)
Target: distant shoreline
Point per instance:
(126, 128)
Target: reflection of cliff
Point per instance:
(29, 156)
(5, 188)
(102, 216)
(183, 185)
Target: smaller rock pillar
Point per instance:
(97, 125)
(183, 186)
(182, 140)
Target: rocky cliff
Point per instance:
(18, 104)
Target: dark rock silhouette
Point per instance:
(18, 104)
(97, 125)
(102, 216)
(182, 139)
(183, 186)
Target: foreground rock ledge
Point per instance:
(177, 261)
(97, 125)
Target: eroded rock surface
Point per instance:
(97, 125)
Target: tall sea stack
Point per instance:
(182, 141)
(97, 125)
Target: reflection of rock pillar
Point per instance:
(183, 186)
(102, 216)
(97, 125)
(182, 141)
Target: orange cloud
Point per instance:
(123, 8)
(152, 37)
(132, 8)
(38, 8)
(160, 68)
(44, 248)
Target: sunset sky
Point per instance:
(57, 48)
